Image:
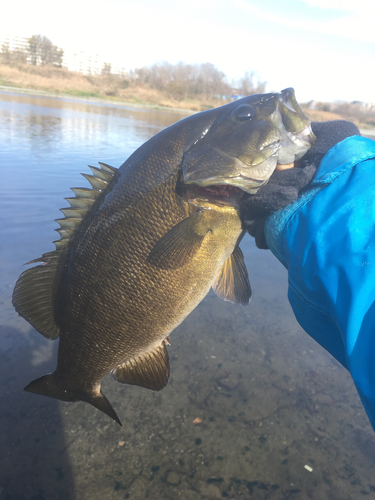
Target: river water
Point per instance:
(254, 407)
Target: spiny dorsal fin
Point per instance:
(150, 370)
(34, 293)
(232, 283)
(85, 202)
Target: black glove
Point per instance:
(285, 186)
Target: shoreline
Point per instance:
(116, 102)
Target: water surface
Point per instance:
(269, 399)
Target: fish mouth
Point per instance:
(226, 190)
(216, 194)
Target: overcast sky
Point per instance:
(325, 49)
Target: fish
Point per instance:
(142, 246)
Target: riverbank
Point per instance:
(58, 82)
(100, 100)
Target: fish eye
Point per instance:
(245, 112)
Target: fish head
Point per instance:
(248, 139)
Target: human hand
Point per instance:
(327, 135)
(288, 181)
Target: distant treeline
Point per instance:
(183, 80)
(355, 111)
(179, 81)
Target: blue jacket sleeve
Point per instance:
(326, 240)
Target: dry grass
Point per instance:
(59, 80)
(321, 116)
(367, 129)
(144, 94)
(44, 78)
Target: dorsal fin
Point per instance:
(34, 293)
(86, 201)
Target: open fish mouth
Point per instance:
(218, 190)
(216, 194)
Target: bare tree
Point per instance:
(106, 69)
(42, 51)
(182, 80)
(212, 80)
(250, 84)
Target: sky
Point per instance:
(325, 49)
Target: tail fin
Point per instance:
(49, 386)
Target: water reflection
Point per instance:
(265, 399)
(58, 124)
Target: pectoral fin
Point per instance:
(150, 370)
(232, 283)
(179, 243)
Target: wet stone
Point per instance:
(137, 489)
(210, 490)
(173, 478)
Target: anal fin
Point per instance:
(232, 283)
(149, 370)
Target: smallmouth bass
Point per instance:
(140, 249)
